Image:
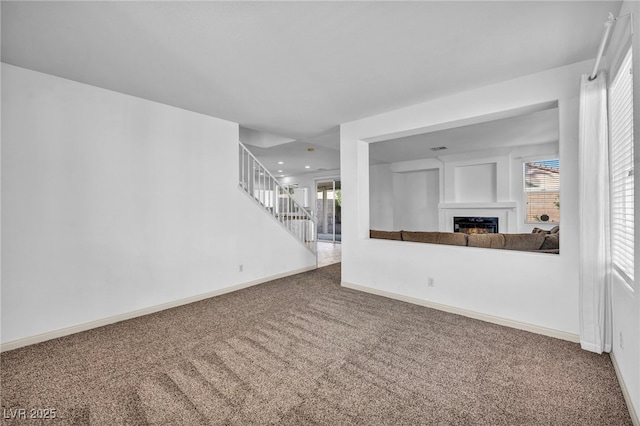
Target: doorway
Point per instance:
(328, 210)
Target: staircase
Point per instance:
(276, 200)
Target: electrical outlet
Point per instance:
(430, 282)
(241, 268)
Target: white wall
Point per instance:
(626, 302)
(415, 200)
(535, 289)
(113, 204)
(382, 198)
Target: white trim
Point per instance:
(15, 344)
(590, 346)
(625, 392)
(490, 205)
(558, 334)
(333, 177)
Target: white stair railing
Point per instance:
(275, 199)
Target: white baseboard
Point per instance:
(558, 334)
(15, 344)
(625, 392)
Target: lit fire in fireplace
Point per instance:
(475, 225)
(474, 231)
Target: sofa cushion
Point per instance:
(420, 236)
(448, 238)
(523, 241)
(551, 242)
(452, 238)
(385, 235)
(487, 240)
(539, 231)
(554, 230)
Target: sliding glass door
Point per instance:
(328, 209)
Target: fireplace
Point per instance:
(475, 225)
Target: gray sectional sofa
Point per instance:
(537, 241)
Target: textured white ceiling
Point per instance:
(298, 69)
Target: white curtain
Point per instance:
(595, 257)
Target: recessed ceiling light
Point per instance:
(281, 175)
(307, 167)
(279, 171)
(280, 162)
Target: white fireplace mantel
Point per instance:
(497, 205)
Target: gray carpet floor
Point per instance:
(302, 351)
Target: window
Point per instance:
(542, 191)
(621, 157)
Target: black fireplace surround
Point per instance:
(475, 225)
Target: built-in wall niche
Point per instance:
(416, 196)
(404, 199)
(475, 183)
(478, 177)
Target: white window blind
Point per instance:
(622, 179)
(542, 191)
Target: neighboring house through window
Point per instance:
(542, 191)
